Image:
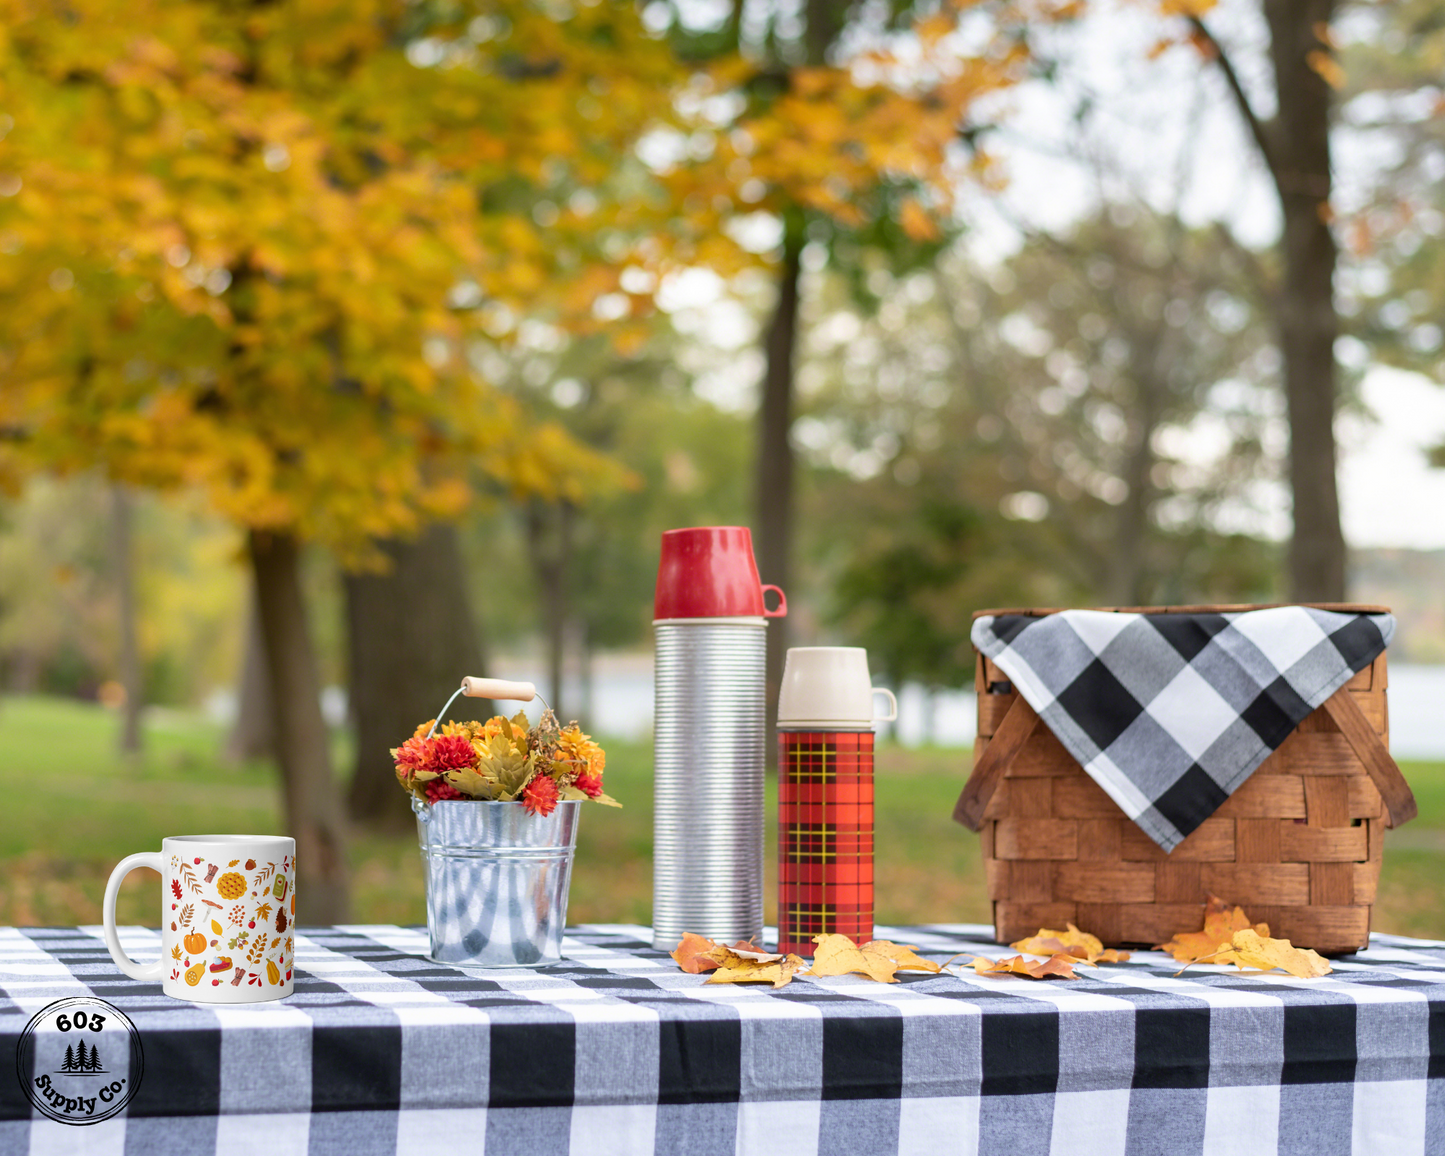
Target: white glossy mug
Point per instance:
(829, 686)
(228, 906)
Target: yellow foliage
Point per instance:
(236, 229)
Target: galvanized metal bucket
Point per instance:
(496, 881)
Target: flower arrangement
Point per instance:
(503, 760)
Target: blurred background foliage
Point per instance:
(468, 302)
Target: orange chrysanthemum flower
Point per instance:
(540, 796)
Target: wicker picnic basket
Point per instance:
(1298, 845)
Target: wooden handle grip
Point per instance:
(1012, 733)
(1400, 805)
(498, 688)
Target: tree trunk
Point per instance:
(1127, 558)
(549, 541)
(412, 640)
(773, 537)
(1308, 323)
(132, 678)
(314, 814)
(252, 736)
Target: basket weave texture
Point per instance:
(1297, 845)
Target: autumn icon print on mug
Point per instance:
(228, 906)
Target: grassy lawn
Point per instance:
(75, 808)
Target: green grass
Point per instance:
(74, 808)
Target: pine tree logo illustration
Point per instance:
(80, 1062)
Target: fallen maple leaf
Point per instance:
(778, 971)
(747, 950)
(1248, 948)
(1079, 944)
(904, 955)
(1220, 923)
(839, 955)
(696, 954)
(1061, 965)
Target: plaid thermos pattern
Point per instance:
(825, 836)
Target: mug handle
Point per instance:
(892, 704)
(144, 972)
(782, 608)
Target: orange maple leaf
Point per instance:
(1061, 965)
(1220, 923)
(696, 954)
(1079, 944)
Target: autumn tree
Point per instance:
(846, 126)
(1069, 425)
(1293, 141)
(1391, 57)
(246, 249)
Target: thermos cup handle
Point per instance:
(892, 704)
(143, 972)
(782, 608)
(498, 688)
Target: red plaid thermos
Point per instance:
(825, 796)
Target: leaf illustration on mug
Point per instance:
(264, 874)
(258, 949)
(186, 912)
(190, 877)
(175, 888)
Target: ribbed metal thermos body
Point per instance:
(709, 733)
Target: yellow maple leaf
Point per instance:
(1220, 923)
(778, 972)
(839, 955)
(1250, 949)
(903, 955)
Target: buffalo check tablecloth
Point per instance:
(617, 1051)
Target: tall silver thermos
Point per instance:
(709, 733)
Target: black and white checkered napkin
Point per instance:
(1169, 713)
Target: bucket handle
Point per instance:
(474, 687)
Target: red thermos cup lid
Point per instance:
(710, 572)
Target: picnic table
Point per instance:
(616, 1050)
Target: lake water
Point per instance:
(622, 705)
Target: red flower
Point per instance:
(438, 789)
(410, 757)
(590, 785)
(448, 752)
(540, 797)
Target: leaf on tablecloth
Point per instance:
(839, 955)
(1060, 966)
(778, 972)
(747, 949)
(1079, 944)
(1248, 948)
(902, 954)
(696, 954)
(1220, 923)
